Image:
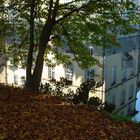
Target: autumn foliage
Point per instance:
(28, 116)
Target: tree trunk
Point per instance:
(30, 57)
(36, 78)
(33, 80)
(44, 39)
(31, 46)
(31, 49)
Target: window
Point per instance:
(132, 68)
(91, 49)
(139, 65)
(51, 72)
(90, 75)
(129, 109)
(122, 97)
(112, 99)
(128, 58)
(124, 72)
(113, 75)
(69, 72)
(15, 79)
(130, 63)
(23, 80)
(127, 63)
(131, 91)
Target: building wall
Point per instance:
(111, 59)
(2, 69)
(113, 91)
(107, 92)
(15, 75)
(59, 71)
(2, 74)
(115, 61)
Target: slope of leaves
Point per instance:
(28, 116)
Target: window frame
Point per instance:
(15, 79)
(90, 74)
(112, 99)
(51, 72)
(131, 91)
(69, 72)
(122, 97)
(113, 75)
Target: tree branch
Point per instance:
(23, 15)
(67, 4)
(70, 13)
(50, 9)
(55, 10)
(36, 8)
(68, 38)
(72, 10)
(25, 38)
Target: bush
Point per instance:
(60, 85)
(108, 107)
(81, 96)
(46, 88)
(82, 93)
(95, 101)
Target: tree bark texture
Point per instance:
(31, 48)
(33, 80)
(44, 39)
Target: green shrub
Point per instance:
(95, 101)
(108, 107)
(46, 88)
(82, 93)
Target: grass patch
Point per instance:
(120, 118)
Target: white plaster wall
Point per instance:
(2, 75)
(19, 72)
(115, 60)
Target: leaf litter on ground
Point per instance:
(36, 116)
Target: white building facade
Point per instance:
(119, 74)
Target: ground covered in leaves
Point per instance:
(28, 116)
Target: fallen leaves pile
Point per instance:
(28, 116)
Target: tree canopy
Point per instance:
(38, 26)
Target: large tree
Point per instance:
(3, 18)
(77, 23)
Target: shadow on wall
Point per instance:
(2, 63)
(1, 68)
(78, 73)
(13, 68)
